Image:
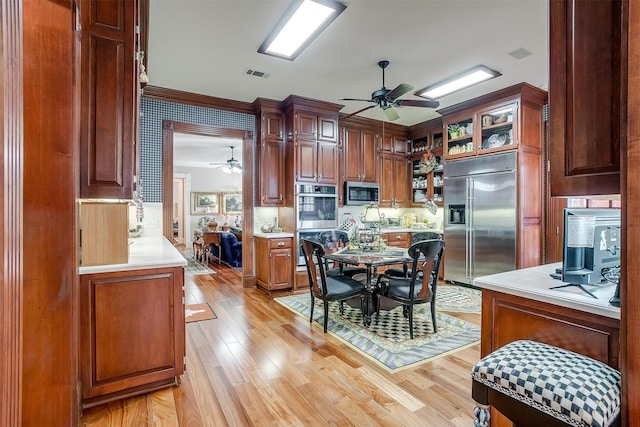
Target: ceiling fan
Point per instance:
(388, 98)
(231, 165)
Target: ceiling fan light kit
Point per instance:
(301, 23)
(463, 80)
(231, 165)
(388, 98)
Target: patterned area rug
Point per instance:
(193, 267)
(387, 341)
(458, 299)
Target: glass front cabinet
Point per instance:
(427, 166)
(485, 131)
(497, 128)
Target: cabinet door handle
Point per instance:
(280, 196)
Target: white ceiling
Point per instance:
(205, 47)
(201, 151)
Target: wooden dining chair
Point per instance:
(337, 239)
(420, 287)
(336, 288)
(416, 237)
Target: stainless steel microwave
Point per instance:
(361, 193)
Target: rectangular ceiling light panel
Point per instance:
(303, 21)
(458, 82)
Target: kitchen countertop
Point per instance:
(534, 283)
(282, 235)
(408, 230)
(144, 253)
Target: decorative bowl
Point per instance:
(501, 119)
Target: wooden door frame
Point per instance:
(169, 128)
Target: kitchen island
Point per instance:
(519, 304)
(132, 329)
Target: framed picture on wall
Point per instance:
(231, 203)
(205, 203)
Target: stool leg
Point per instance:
(482, 414)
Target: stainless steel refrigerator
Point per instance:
(480, 196)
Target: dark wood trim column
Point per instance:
(11, 220)
(630, 192)
(50, 170)
(169, 127)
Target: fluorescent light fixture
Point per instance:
(303, 21)
(458, 82)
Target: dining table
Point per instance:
(371, 259)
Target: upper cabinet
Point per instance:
(271, 152)
(503, 120)
(587, 95)
(312, 128)
(394, 143)
(394, 166)
(360, 153)
(109, 98)
(484, 131)
(427, 172)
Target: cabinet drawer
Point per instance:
(398, 239)
(280, 243)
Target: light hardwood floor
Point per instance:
(259, 364)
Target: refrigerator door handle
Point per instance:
(467, 231)
(471, 226)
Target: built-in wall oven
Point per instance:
(316, 206)
(316, 211)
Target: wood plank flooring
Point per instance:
(259, 364)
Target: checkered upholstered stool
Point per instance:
(535, 384)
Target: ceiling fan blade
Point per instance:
(356, 99)
(391, 113)
(417, 103)
(400, 90)
(359, 111)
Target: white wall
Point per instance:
(207, 180)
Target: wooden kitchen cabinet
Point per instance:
(430, 185)
(271, 152)
(132, 332)
(507, 318)
(426, 137)
(274, 263)
(312, 128)
(508, 119)
(587, 96)
(394, 181)
(397, 239)
(109, 98)
(395, 143)
(360, 159)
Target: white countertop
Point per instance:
(534, 283)
(282, 235)
(408, 230)
(144, 253)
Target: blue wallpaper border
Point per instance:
(153, 112)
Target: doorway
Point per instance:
(169, 129)
(178, 225)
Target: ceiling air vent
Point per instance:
(520, 53)
(256, 73)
